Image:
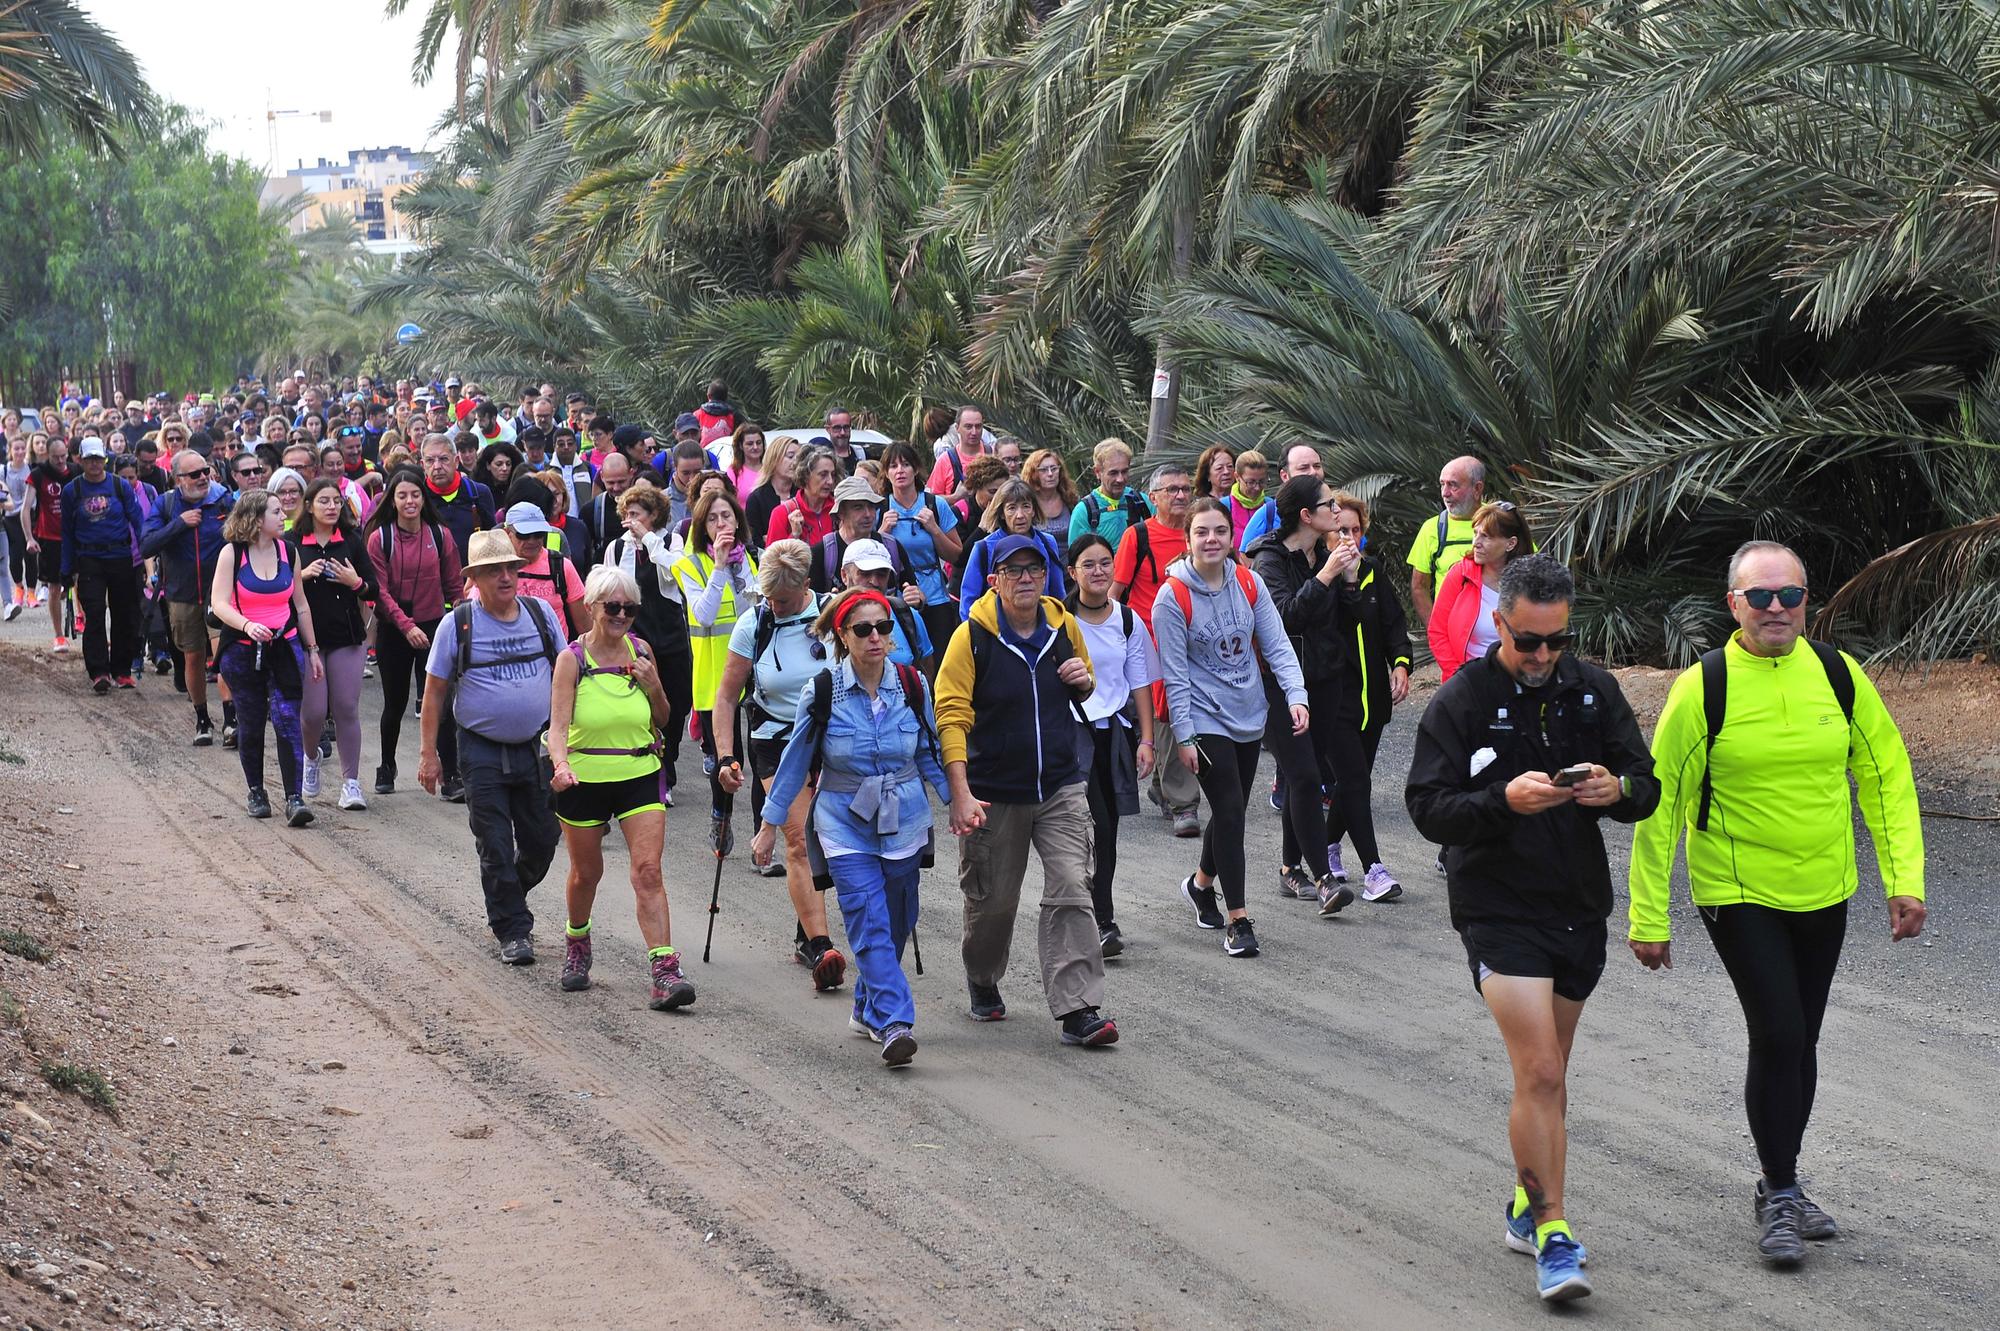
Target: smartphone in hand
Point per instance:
(1570, 776)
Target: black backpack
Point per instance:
(1136, 509)
(1715, 703)
(461, 618)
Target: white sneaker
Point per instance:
(350, 796)
(1379, 885)
(309, 779)
(12, 612)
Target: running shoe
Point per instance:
(258, 803)
(1206, 914)
(858, 1026)
(12, 612)
(100, 684)
(310, 777)
(1187, 823)
(518, 951)
(1277, 797)
(1334, 895)
(1781, 1244)
(721, 836)
(824, 960)
(62, 645)
(670, 987)
(1520, 1234)
(1240, 940)
(385, 780)
(350, 796)
(296, 812)
(1295, 883)
(1378, 884)
(1110, 942)
(1558, 1271)
(576, 963)
(163, 665)
(228, 734)
(771, 868)
(1439, 866)
(204, 732)
(454, 790)
(1333, 864)
(899, 1046)
(986, 1004)
(325, 747)
(1814, 1224)
(1089, 1028)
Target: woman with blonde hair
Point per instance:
(718, 584)
(773, 655)
(606, 706)
(780, 457)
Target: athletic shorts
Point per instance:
(1573, 958)
(187, 624)
(52, 565)
(596, 803)
(766, 754)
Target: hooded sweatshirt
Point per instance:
(1209, 657)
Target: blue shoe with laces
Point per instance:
(1558, 1271)
(1520, 1235)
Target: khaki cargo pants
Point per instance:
(992, 863)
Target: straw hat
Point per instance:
(490, 549)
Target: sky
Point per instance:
(231, 60)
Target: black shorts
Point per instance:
(766, 754)
(51, 558)
(1573, 958)
(596, 803)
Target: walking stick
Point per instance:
(918, 948)
(715, 892)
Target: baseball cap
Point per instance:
(526, 519)
(465, 407)
(855, 490)
(686, 421)
(1008, 546)
(867, 556)
(91, 447)
(453, 382)
(627, 435)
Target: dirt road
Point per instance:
(1315, 1138)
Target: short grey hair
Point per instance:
(1749, 548)
(1163, 471)
(1539, 578)
(786, 566)
(609, 582)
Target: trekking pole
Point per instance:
(715, 892)
(917, 948)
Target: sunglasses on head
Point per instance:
(869, 628)
(1529, 643)
(624, 609)
(1760, 598)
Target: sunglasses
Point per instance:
(623, 609)
(254, 469)
(196, 474)
(1527, 644)
(869, 628)
(1760, 598)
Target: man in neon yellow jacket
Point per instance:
(1770, 848)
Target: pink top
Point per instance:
(266, 601)
(943, 481)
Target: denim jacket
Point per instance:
(863, 740)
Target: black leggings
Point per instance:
(1102, 792)
(1347, 760)
(1305, 835)
(1782, 964)
(397, 664)
(1228, 770)
(22, 564)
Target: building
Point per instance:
(364, 187)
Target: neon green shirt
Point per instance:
(1426, 556)
(1780, 827)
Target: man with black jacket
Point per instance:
(185, 535)
(1517, 758)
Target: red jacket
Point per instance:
(1453, 615)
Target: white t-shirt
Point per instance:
(1119, 663)
(1484, 633)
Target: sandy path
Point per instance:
(1314, 1138)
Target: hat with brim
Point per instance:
(856, 490)
(491, 549)
(93, 447)
(867, 556)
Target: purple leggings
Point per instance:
(339, 692)
(257, 697)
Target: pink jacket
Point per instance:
(1453, 614)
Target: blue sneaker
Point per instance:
(1558, 1271)
(1520, 1234)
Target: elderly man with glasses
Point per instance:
(184, 534)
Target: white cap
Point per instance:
(867, 556)
(92, 447)
(527, 520)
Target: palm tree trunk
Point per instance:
(1166, 406)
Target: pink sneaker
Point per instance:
(670, 987)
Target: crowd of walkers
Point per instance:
(860, 638)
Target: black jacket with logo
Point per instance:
(1545, 868)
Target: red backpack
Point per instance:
(1183, 598)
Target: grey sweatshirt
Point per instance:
(1209, 659)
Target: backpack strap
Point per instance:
(1838, 675)
(1437, 547)
(461, 618)
(1142, 548)
(1093, 510)
(829, 559)
(912, 680)
(957, 466)
(1714, 706)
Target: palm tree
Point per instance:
(62, 78)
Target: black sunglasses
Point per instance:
(257, 470)
(1527, 644)
(869, 628)
(1760, 598)
(195, 474)
(622, 608)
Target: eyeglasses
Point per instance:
(1177, 489)
(255, 469)
(623, 609)
(1527, 644)
(870, 628)
(1760, 598)
(1022, 571)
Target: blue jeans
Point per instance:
(878, 908)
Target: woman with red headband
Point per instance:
(870, 731)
